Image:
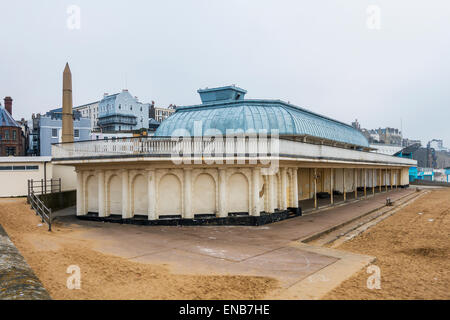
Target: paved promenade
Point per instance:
(271, 250)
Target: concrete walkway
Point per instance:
(316, 222)
(70, 211)
(17, 280)
(273, 250)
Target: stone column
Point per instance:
(331, 185)
(365, 182)
(289, 187)
(295, 188)
(151, 189)
(343, 179)
(373, 181)
(126, 208)
(255, 211)
(272, 191)
(381, 179)
(385, 179)
(80, 193)
(283, 189)
(101, 193)
(391, 177)
(315, 188)
(355, 179)
(397, 175)
(223, 210)
(187, 207)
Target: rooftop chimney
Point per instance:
(8, 104)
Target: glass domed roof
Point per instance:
(257, 115)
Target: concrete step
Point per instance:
(348, 231)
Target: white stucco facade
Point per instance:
(139, 177)
(16, 171)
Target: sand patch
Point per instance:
(105, 276)
(413, 253)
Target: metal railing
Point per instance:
(43, 186)
(40, 208)
(128, 120)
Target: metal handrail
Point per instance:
(40, 208)
(43, 186)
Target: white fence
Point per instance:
(186, 146)
(245, 146)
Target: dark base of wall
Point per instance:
(237, 220)
(430, 183)
(59, 200)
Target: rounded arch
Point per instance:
(114, 194)
(169, 195)
(238, 193)
(139, 195)
(204, 196)
(91, 193)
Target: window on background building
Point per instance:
(131, 107)
(14, 135)
(7, 135)
(10, 151)
(54, 133)
(76, 133)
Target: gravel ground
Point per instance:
(413, 253)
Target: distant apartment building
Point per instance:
(390, 136)
(387, 136)
(47, 129)
(90, 110)
(409, 142)
(160, 114)
(12, 138)
(122, 112)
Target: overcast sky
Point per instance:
(321, 55)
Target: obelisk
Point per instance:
(67, 116)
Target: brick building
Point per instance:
(12, 139)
